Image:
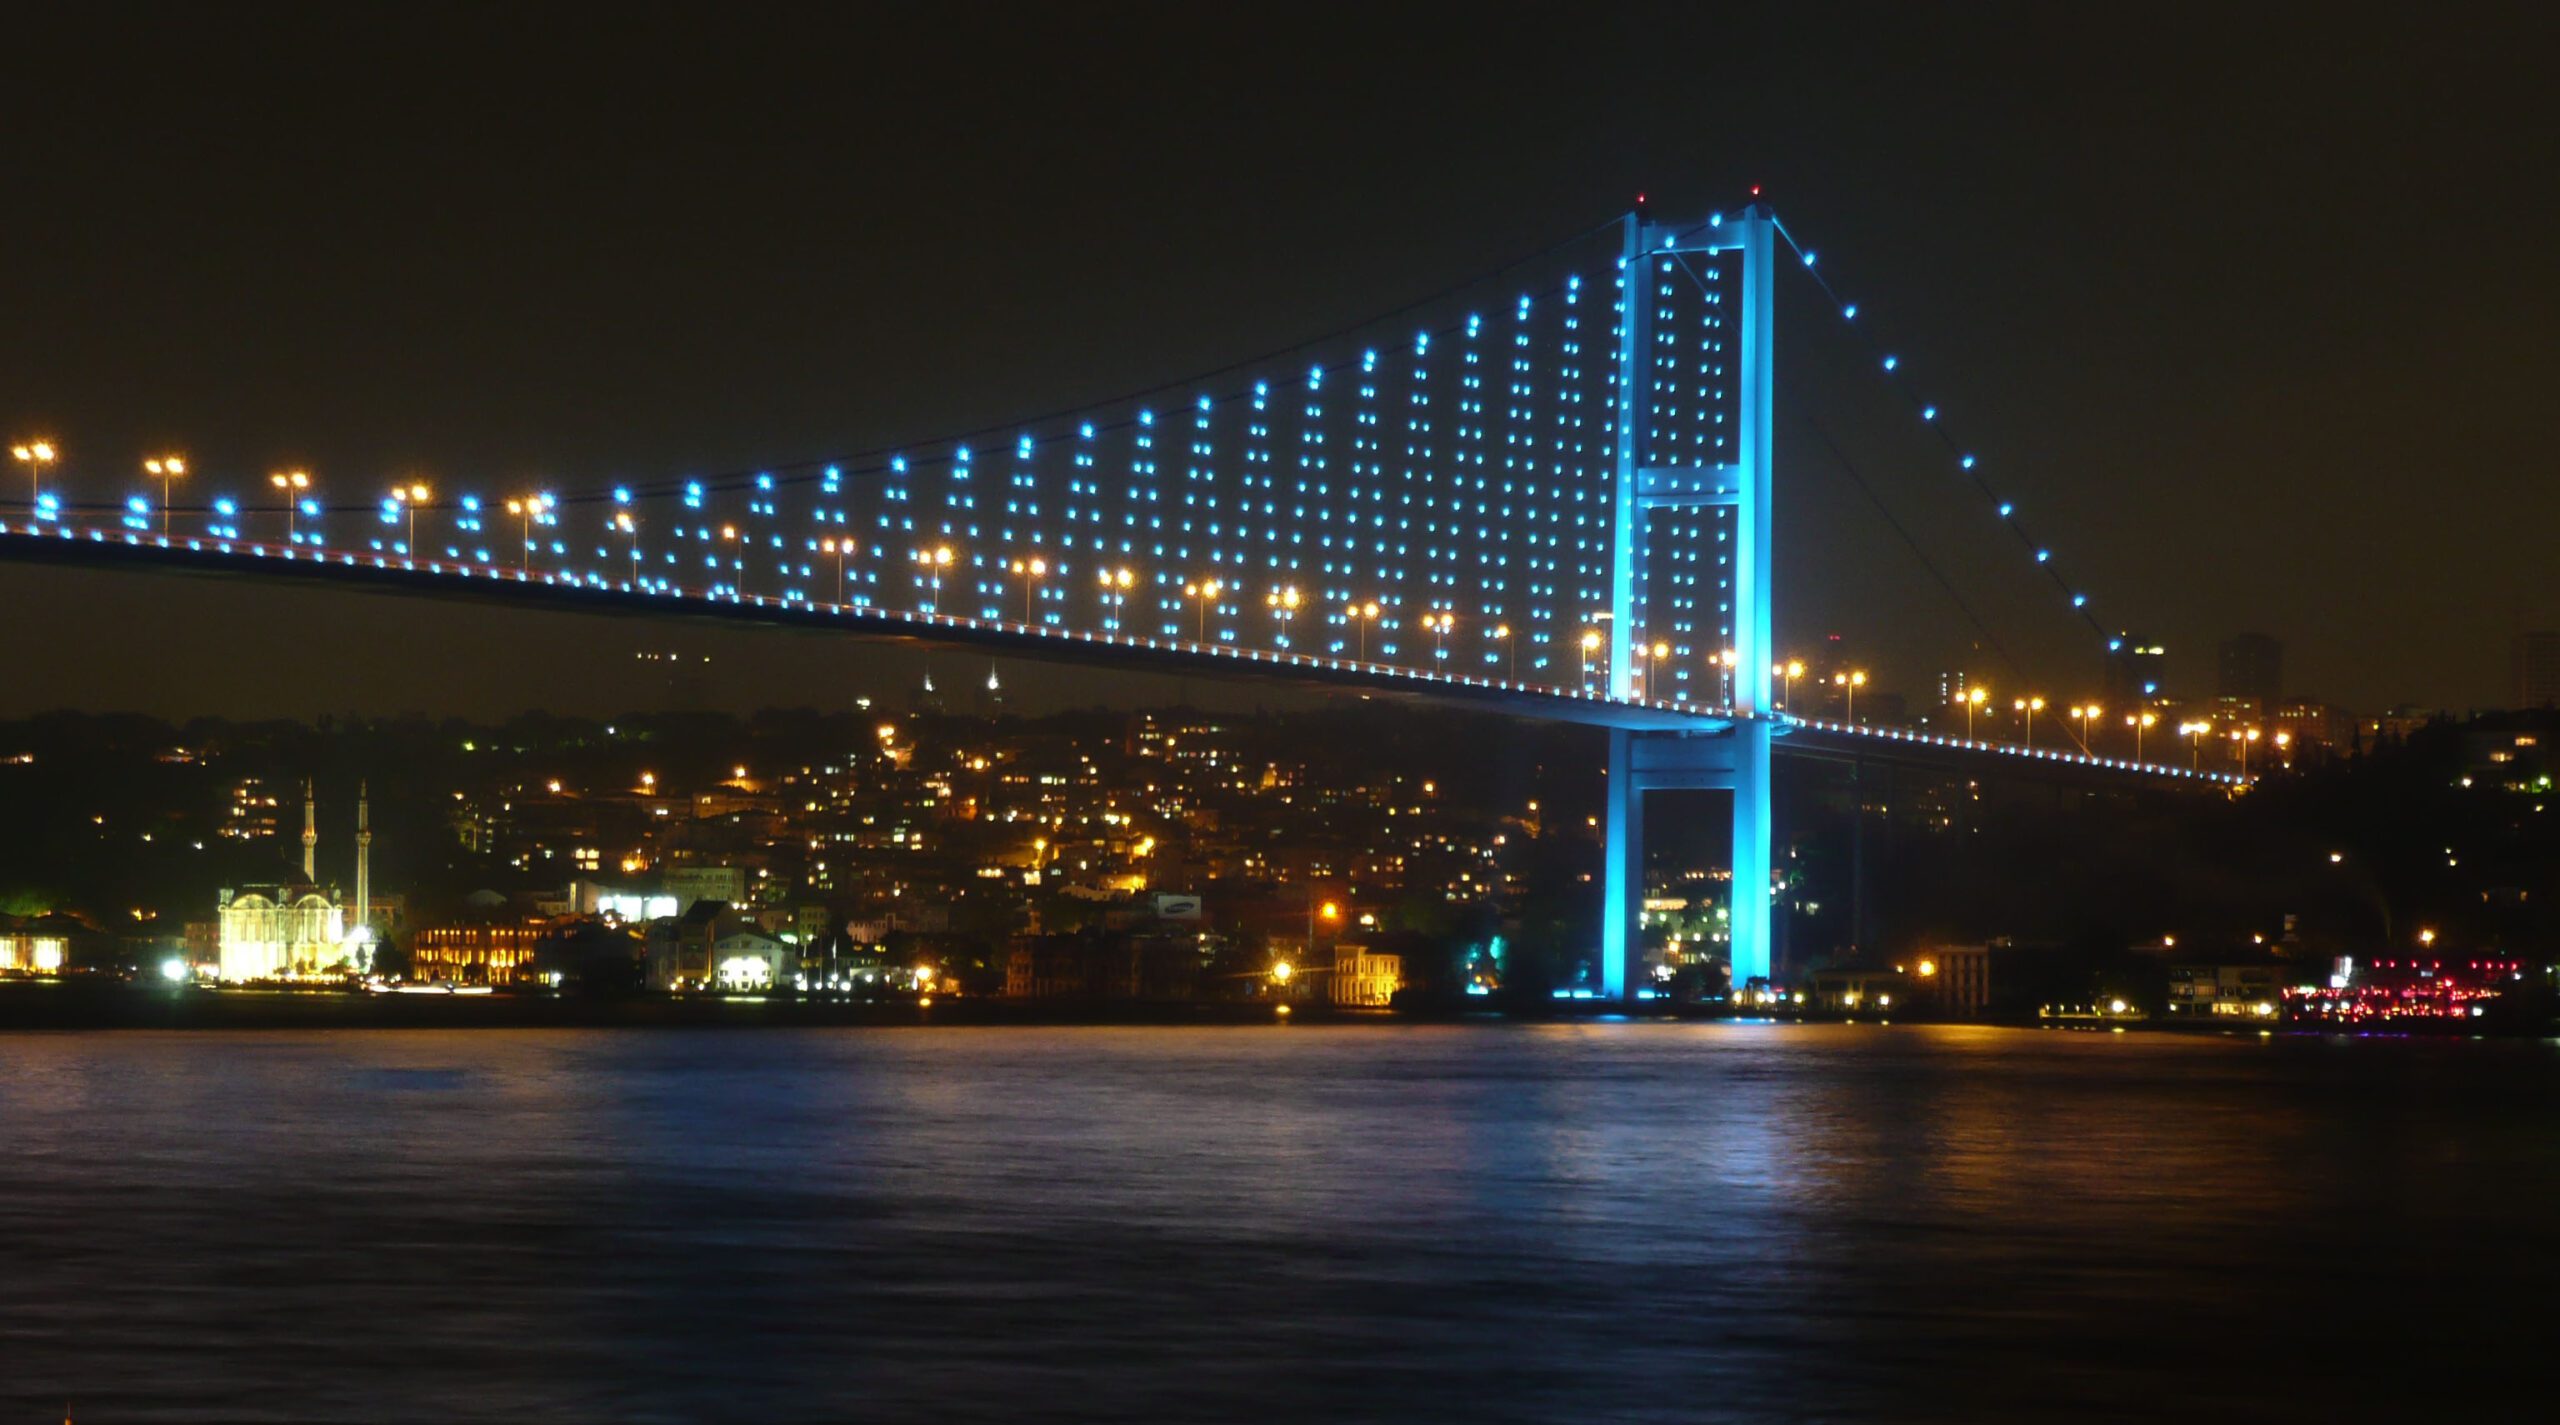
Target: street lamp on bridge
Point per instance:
(2028, 708)
(1440, 624)
(1283, 603)
(1787, 673)
(2140, 723)
(530, 509)
(2195, 730)
(2240, 740)
(1116, 584)
(407, 498)
(1850, 683)
(842, 549)
(1361, 616)
(1204, 596)
(36, 455)
(1973, 700)
(292, 483)
(935, 560)
(1652, 660)
(166, 469)
(2087, 714)
(1031, 572)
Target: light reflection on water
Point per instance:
(1619, 1221)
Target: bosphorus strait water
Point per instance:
(1624, 1221)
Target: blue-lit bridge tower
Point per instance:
(1734, 758)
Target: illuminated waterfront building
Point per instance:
(1849, 990)
(293, 929)
(482, 953)
(1364, 979)
(751, 960)
(686, 952)
(1961, 976)
(2252, 991)
(282, 932)
(31, 948)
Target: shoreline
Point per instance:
(118, 1005)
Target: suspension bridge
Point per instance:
(1547, 493)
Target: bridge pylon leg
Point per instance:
(1621, 871)
(1735, 760)
(1752, 905)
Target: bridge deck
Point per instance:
(390, 574)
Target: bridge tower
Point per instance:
(1734, 758)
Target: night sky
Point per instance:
(2253, 309)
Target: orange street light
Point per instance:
(166, 469)
(36, 455)
(1850, 683)
(1031, 571)
(1283, 603)
(935, 560)
(407, 498)
(1361, 615)
(1116, 584)
(2140, 722)
(1204, 596)
(530, 509)
(292, 483)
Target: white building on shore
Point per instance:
(287, 932)
(298, 930)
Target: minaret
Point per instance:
(364, 857)
(310, 836)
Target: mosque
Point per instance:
(298, 930)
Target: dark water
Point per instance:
(1610, 1221)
